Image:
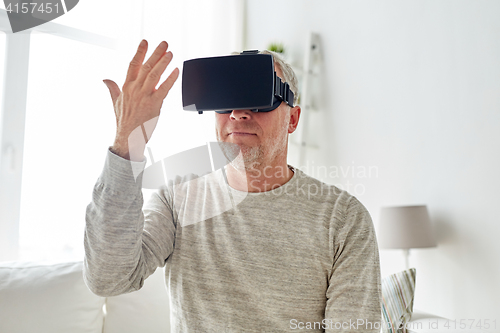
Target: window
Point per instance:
(69, 124)
(69, 115)
(2, 61)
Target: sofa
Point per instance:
(53, 298)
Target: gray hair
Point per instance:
(288, 73)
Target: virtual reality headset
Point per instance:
(237, 82)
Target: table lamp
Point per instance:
(405, 227)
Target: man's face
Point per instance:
(261, 136)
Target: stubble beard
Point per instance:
(242, 157)
(249, 158)
(252, 158)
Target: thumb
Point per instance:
(114, 90)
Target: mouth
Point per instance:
(241, 133)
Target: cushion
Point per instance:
(47, 299)
(397, 300)
(145, 310)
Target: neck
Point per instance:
(262, 178)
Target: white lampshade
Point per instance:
(405, 227)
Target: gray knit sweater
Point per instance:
(300, 258)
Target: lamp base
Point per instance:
(406, 253)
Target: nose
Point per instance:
(240, 115)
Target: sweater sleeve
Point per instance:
(124, 244)
(354, 291)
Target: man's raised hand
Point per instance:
(137, 105)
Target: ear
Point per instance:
(294, 119)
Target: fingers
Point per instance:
(155, 74)
(114, 90)
(168, 83)
(136, 63)
(151, 63)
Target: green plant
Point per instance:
(276, 47)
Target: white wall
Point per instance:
(411, 89)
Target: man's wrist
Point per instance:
(135, 154)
